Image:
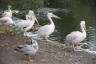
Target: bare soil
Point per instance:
(49, 53)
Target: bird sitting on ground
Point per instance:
(75, 37)
(29, 49)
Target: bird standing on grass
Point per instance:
(75, 37)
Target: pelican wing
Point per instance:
(23, 23)
(3, 20)
(6, 20)
(73, 36)
(45, 31)
(24, 48)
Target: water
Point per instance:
(71, 13)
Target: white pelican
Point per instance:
(30, 48)
(6, 17)
(7, 13)
(6, 21)
(74, 38)
(48, 29)
(27, 24)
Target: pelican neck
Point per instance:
(83, 30)
(51, 21)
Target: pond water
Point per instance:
(71, 13)
(69, 23)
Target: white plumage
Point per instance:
(74, 38)
(27, 24)
(48, 29)
(6, 17)
(7, 13)
(30, 48)
(6, 20)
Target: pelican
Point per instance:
(30, 48)
(75, 37)
(6, 17)
(27, 24)
(48, 29)
(7, 13)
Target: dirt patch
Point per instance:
(49, 53)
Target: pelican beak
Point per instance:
(36, 19)
(56, 16)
